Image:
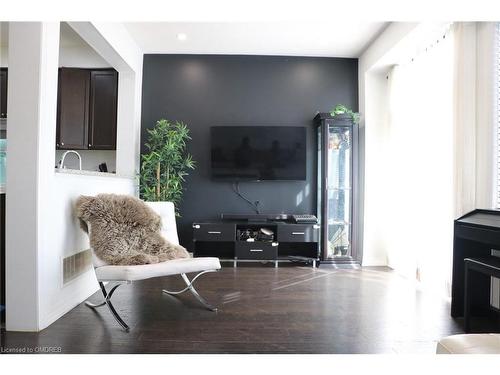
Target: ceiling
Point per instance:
(333, 39)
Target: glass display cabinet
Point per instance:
(337, 182)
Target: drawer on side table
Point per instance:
(214, 232)
(298, 233)
(256, 250)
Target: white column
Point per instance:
(32, 102)
(129, 123)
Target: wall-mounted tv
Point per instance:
(258, 153)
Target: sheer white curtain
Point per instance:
(420, 187)
(474, 116)
(464, 69)
(439, 152)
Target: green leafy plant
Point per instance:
(341, 109)
(165, 166)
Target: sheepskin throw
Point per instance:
(125, 231)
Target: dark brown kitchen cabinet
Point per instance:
(3, 92)
(73, 108)
(103, 96)
(87, 105)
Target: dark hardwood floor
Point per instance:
(262, 310)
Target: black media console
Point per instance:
(251, 241)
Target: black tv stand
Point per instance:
(290, 242)
(255, 217)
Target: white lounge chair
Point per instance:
(126, 274)
(471, 343)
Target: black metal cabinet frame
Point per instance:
(323, 122)
(3, 92)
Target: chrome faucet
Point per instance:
(61, 165)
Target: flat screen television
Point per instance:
(258, 153)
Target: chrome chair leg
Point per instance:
(111, 307)
(94, 305)
(194, 292)
(107, 302)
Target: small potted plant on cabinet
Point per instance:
(342, 110)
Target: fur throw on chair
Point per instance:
(125, 231)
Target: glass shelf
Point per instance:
(334, 222)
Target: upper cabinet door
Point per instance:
(103, 105)
(73, 109)
(3, 93)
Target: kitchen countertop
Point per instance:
(90, 173)
(78, 172)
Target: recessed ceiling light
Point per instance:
(181, 36)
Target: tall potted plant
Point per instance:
(166, 163)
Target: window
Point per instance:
(419, 146)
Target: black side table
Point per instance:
(489, 266)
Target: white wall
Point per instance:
(41, 229)
(4, 57)
(81, 57)
(70, 57)
(32, 100)
(4, 52)
(376, 168)
(64, 238)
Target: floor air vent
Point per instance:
(76, 264)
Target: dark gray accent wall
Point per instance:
(210, 90)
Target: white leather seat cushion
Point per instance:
(488, 343)
(147, 271)
(166, 210)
